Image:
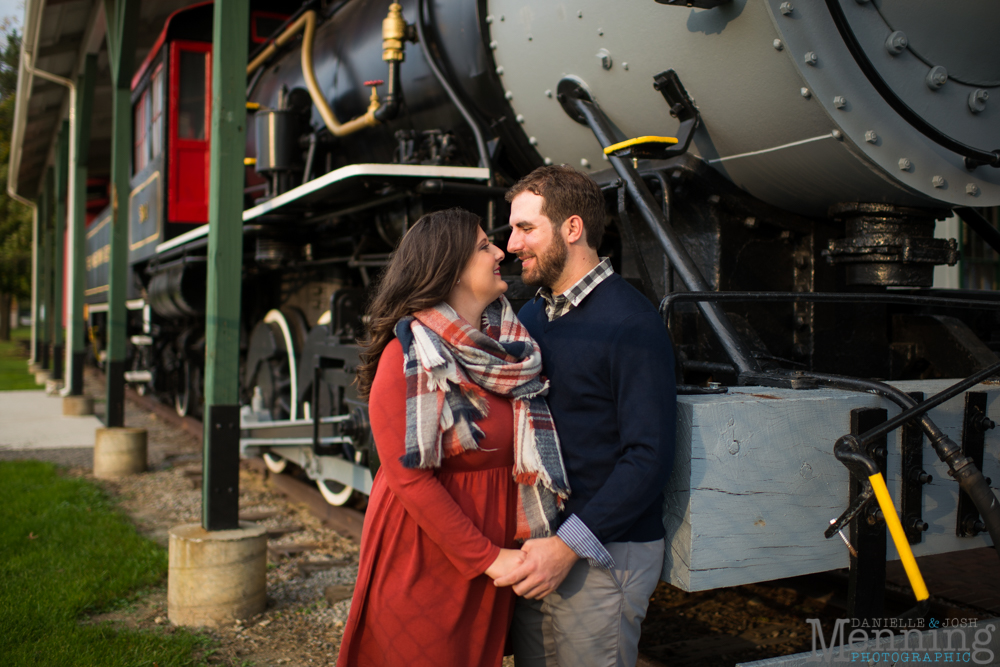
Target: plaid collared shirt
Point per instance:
(557, 305)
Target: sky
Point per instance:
(13, 8)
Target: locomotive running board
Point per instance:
(338, 186)
(341, 182)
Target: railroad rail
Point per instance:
(345, 520)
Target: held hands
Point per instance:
(507, 560)
(546, 563)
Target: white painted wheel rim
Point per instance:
(277, 317)
(274, 463)
(330, 492)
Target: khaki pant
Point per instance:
(593, 618)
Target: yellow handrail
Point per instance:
(899, 537)
(628, 143)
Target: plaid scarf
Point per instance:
(450, 366)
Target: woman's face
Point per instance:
(480, 279)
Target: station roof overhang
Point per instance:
(57, 37)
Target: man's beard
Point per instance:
(548, 266)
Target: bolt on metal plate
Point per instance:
(936, 77)
(977, 100)
(896, 42)
(605, 57)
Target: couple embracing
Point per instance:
(518, 503)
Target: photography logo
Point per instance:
(898, 642)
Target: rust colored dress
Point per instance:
(421, 596)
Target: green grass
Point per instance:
(13, 362)
(66, 552)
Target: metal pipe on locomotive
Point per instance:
(817, 146)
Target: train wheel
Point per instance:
(188, 395)
(182, 394)
(272, 362)
(335, 493)
(275, 463)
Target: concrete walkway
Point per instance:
(32, 420)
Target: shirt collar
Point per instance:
(582, 287)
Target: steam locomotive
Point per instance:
(774, 172)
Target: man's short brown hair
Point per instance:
(566, 192)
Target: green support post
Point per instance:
(36, 285)
(59, 249)
(76, 324)
(122, 20)
(45, 271)
(220, 491)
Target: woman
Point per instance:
(470, 459)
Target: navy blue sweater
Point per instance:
(613, 400)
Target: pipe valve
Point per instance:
(395, 33)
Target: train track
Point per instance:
(345, 520)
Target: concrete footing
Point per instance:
(53, 387)
(78, 406)
(216, 577)
(41, 377)
(119, 451)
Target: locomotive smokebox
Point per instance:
(278, 141)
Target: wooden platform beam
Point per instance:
(755, 482)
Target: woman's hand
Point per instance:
(505, 562)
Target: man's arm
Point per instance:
(644, 393)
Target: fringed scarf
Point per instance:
(449, 367)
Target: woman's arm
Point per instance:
(419, 490)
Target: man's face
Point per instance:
(536, 241)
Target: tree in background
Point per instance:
(15, 218)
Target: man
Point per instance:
(584, 592)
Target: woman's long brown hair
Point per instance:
(421, 273)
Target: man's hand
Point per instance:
(548, 560)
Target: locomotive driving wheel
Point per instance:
(272, 367)
(187, 379)
(335, 493)
(188, 392)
